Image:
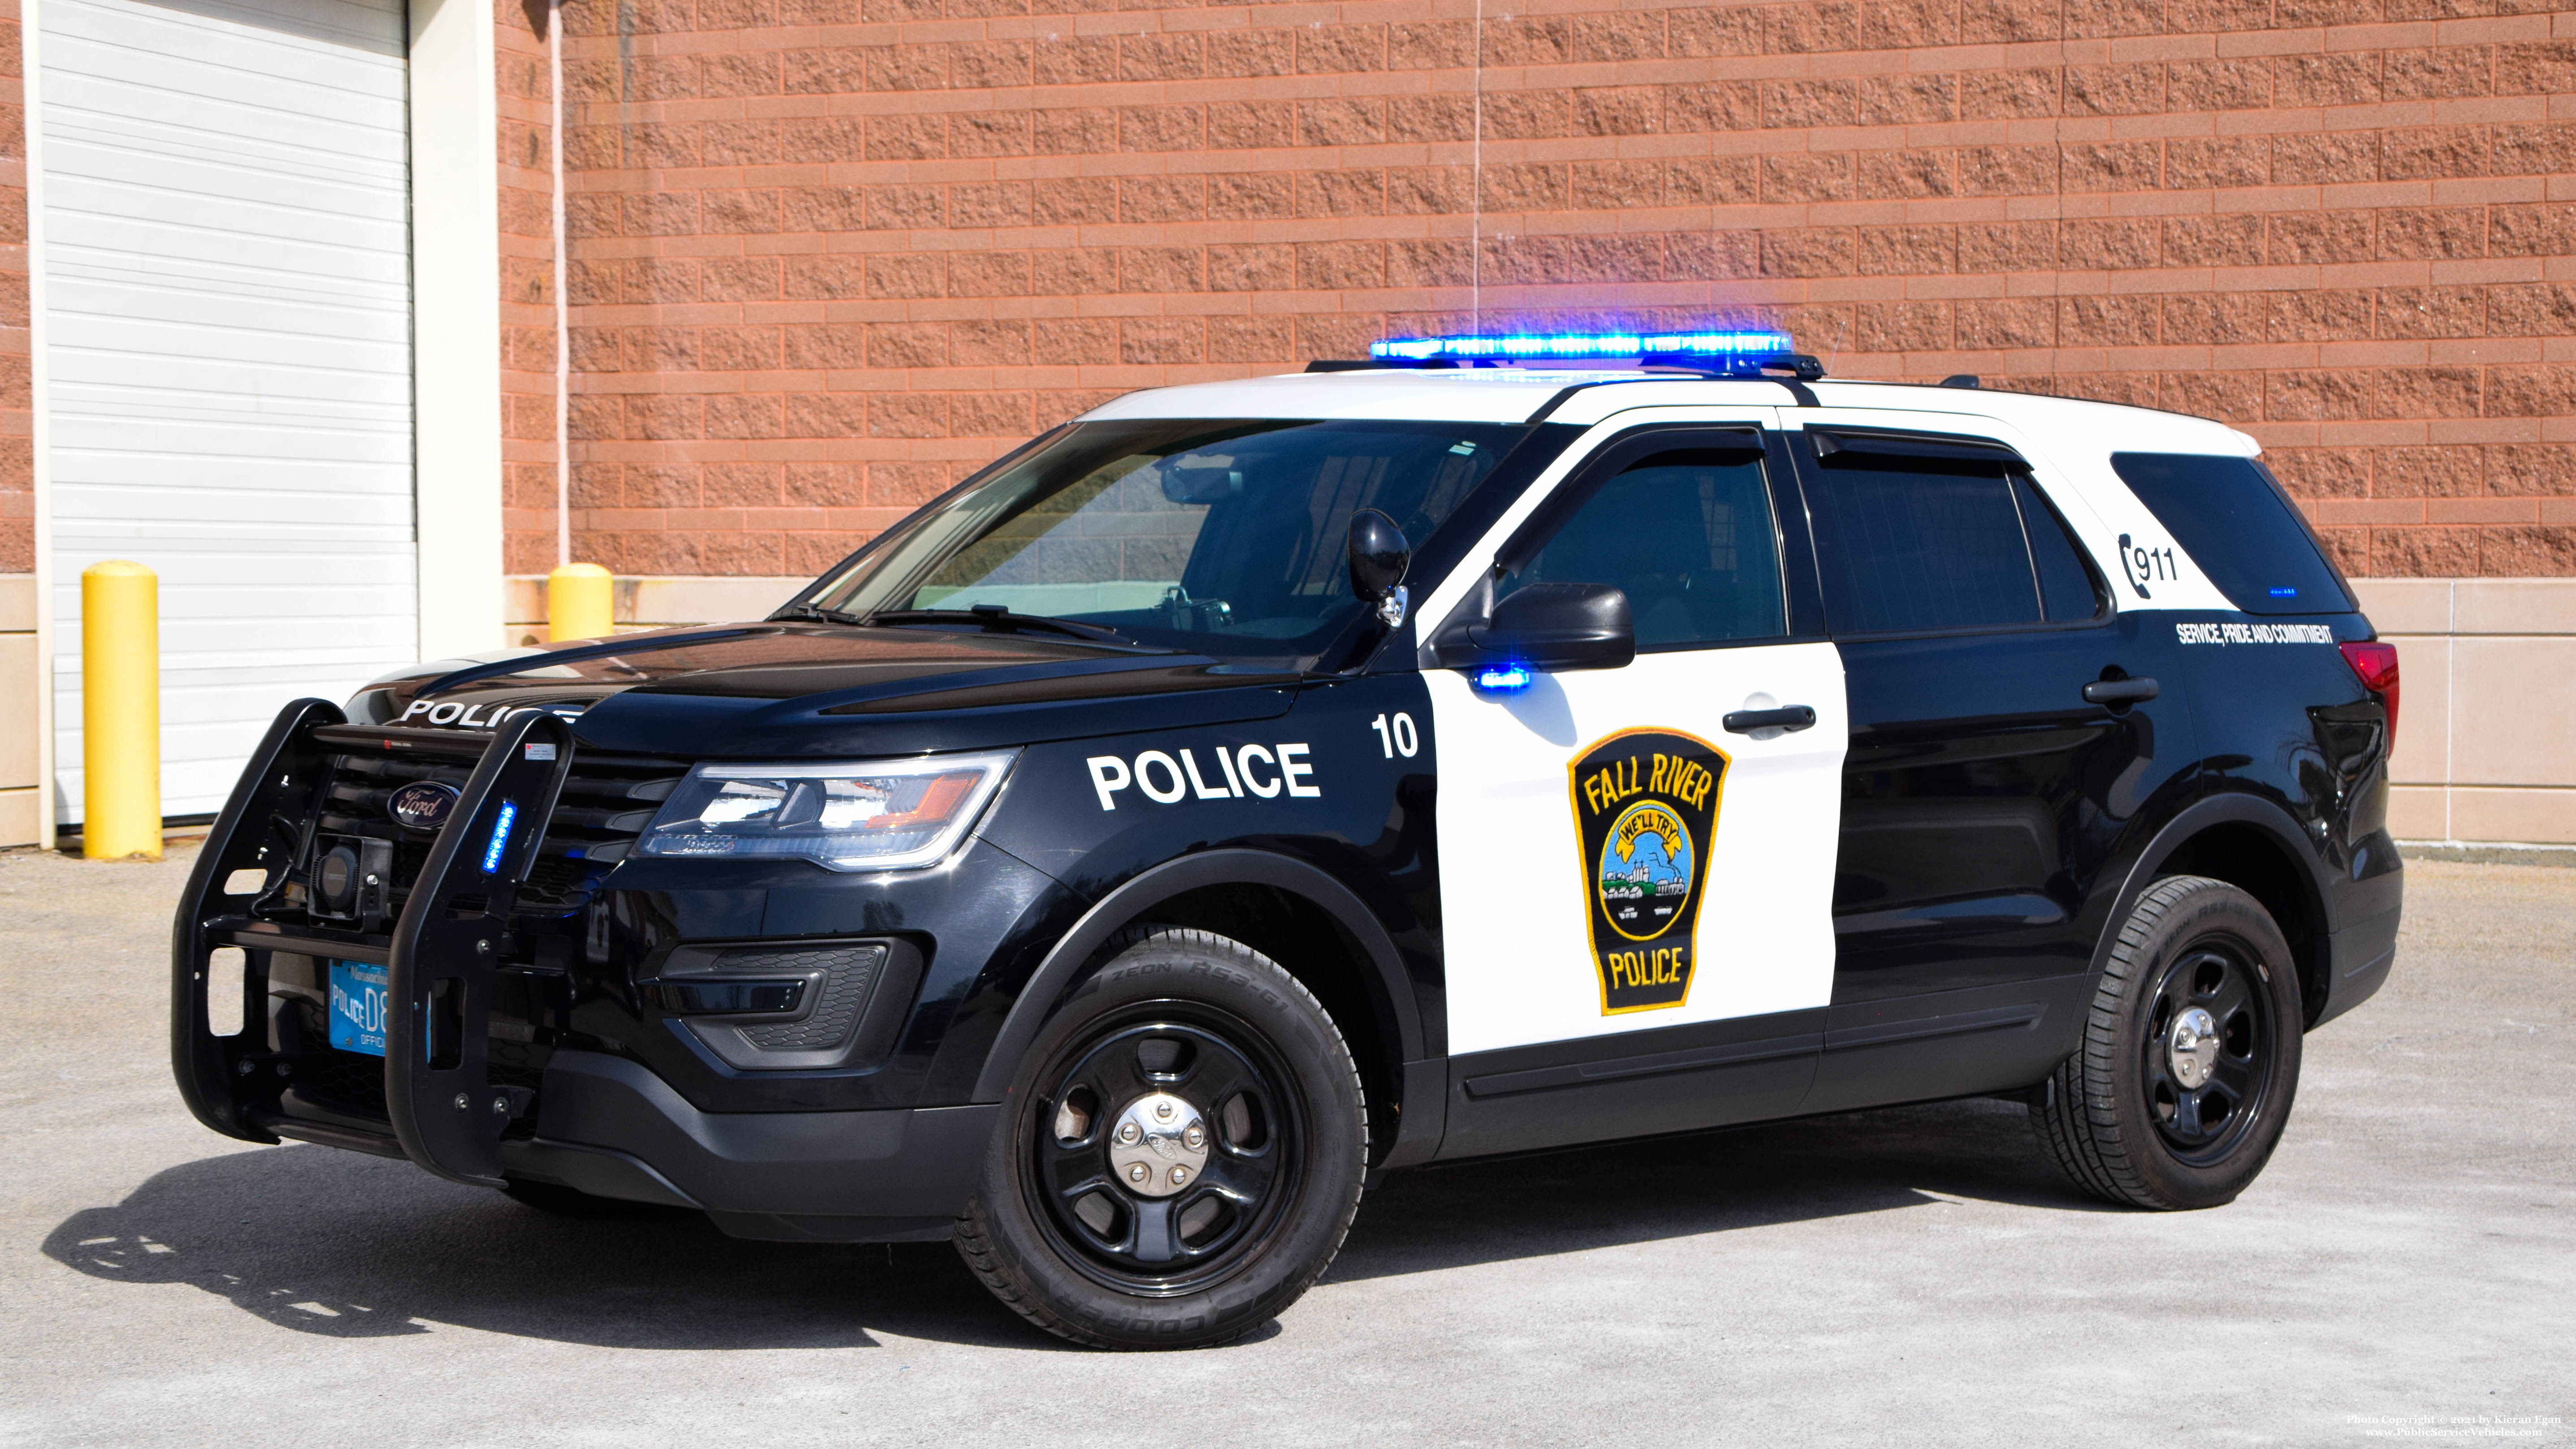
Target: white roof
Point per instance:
(1511, 395)
(1477, 395)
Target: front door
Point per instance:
(1635, 896)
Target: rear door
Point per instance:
(1635, 897)
(1983, 791)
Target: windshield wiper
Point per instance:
(818, 614)
(998, 616)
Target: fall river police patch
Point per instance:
(1645, 811)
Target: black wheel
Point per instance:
(1182, 1152)
(2190, 1057)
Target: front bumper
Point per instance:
(609, 1127)
(482, 1078)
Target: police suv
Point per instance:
(1254, 787)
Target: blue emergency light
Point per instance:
(1731, 350)
(500, 837)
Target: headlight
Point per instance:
(871, 815)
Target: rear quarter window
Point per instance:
(2233, 519)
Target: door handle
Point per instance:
(1787, 717)
(2120, 691)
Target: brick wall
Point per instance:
(527, 289)
(17, 416)
(829, 254)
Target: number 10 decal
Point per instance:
(1399, 740)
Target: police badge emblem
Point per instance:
(1645, 811)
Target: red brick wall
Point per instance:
(17, 415)
(527, 290)
(826, 258)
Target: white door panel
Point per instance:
(1524, 892)
(1515, 886)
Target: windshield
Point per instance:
(1219, 537)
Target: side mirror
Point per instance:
(1548, 627)
(1379, 556)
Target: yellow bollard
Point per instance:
(581, 603)
(120, 712)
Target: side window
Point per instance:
(2068, 591)
(1689, 536)
(1920, 541)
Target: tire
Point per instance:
(1079, 1226)
(2159, 1108)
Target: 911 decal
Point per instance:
(1645, 812)
(2146, 565)
(1264, 771)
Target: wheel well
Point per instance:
(2250, 859)
(1315, 948)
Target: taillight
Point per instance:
(2374, 663)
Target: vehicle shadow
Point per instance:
(340, 1245)
(1676, 1187)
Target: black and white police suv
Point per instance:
(1254, 787)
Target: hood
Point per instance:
(789, 690)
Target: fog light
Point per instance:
(773, 1007)
(723, 997)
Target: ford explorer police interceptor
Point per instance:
(1254, 787)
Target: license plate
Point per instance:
(358, 1007)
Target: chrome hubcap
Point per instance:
(2191, 1047)
(1159, 1145)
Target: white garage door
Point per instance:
(227, 296)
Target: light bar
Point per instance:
(1747, 344)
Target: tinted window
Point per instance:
(2238, 525)
(1689, 536)
(2067, 590)
(1919, 543)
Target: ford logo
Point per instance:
(422, 804)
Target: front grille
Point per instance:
(354, 802)
(349, 1081)
(607, 801)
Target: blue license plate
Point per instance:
(358, 1007)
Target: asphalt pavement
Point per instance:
(2405, 1270)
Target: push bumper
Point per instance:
(608, 1126)
(598, 1123)
(443, 963)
